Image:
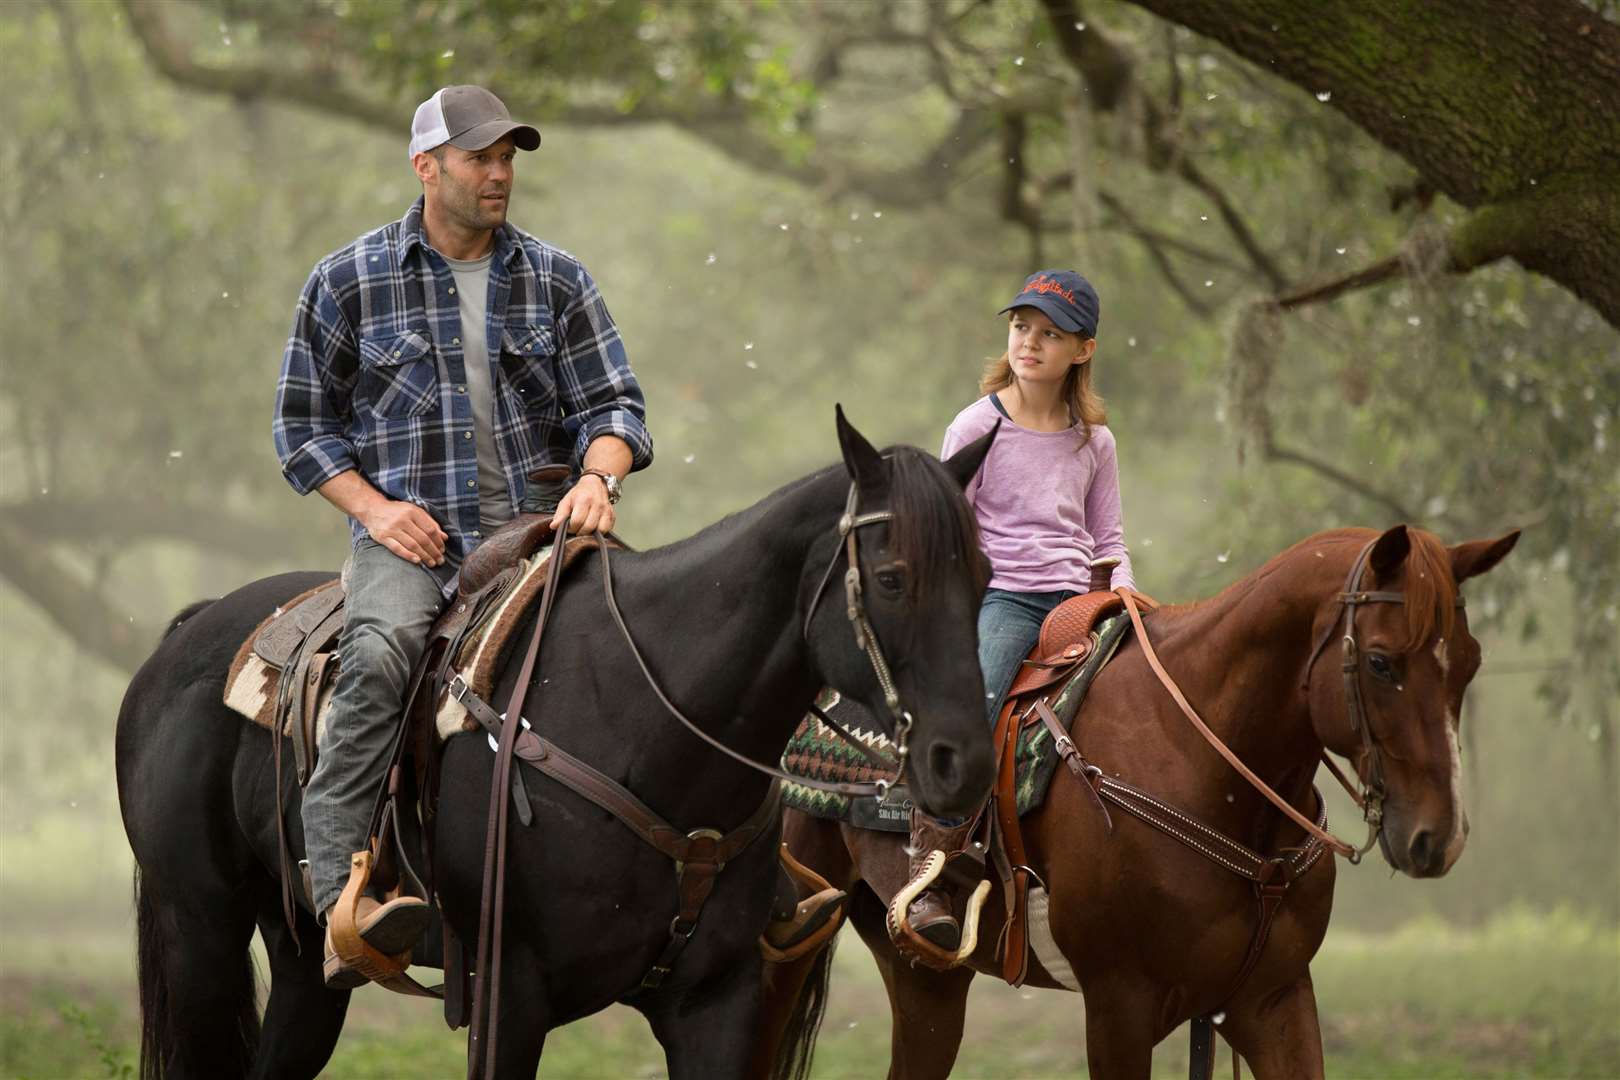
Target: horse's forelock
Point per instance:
(933, 530)
(1431, 591)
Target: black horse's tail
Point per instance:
(798, 1045)
(161, 1035)
(157, 1028)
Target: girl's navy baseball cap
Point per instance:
(1064, 297)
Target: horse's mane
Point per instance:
(934, 530)
(1431, 591)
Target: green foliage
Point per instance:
(115, 1062)
(1527, 995)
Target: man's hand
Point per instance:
(585, 508)
(407, 530)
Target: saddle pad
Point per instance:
(816, 753)
(250, 685)
(484, 650)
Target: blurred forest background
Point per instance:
(1357, 266)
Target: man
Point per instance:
(433, 365)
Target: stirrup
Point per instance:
(815, 920)
(356, 957)
(918, 948)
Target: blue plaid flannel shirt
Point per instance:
(373, 378)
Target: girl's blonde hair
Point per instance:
(1085, 404)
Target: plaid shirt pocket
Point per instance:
(528, 355)
(399, 375)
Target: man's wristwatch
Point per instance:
(609, 481)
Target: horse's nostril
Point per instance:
(945, 763)
(1421, 850)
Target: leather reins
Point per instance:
(1351, 597)
(865, 640)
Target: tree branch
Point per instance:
(63, 521)
(723, 124)
(1235, 224)
(1108, 71)
(1382, 270)
(1270, 451)
(311, 88)
(1156, 251)
(82, 613)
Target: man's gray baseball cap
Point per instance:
(469, 118)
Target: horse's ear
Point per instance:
(964, 464)
(864, 463)
(1389, 552)
(1477, 556)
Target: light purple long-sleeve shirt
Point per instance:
(1047, 507)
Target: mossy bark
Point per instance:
(1509, 107)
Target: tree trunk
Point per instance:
(1509, 107)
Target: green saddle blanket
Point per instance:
(817, 753)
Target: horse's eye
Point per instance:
(892, 578)
(1380, 666)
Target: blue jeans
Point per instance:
(390, 607)
(1009, 627)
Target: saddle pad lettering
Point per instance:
(817, 753)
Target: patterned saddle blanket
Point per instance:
(818, 753)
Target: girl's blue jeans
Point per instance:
(1009, 626)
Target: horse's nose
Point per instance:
(945, 763)
(1424, 855)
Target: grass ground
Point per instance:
(1528, 994)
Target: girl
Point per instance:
(1047, 498)
(1047, 502)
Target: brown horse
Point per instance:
(1156, 933)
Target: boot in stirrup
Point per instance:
(930, 914)
(806, 912)
(391, 929)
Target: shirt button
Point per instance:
(452, 293)
(462, 388)
(396, 352)
(455, 341)
(472, 483)
(476, 535)
(466, 434)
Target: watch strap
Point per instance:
(609, 481)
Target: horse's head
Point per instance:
(920, 578)
(1389, 696)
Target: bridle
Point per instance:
(1371, 796)
(1371, 800)
(865, 639)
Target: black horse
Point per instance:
(729, 624)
